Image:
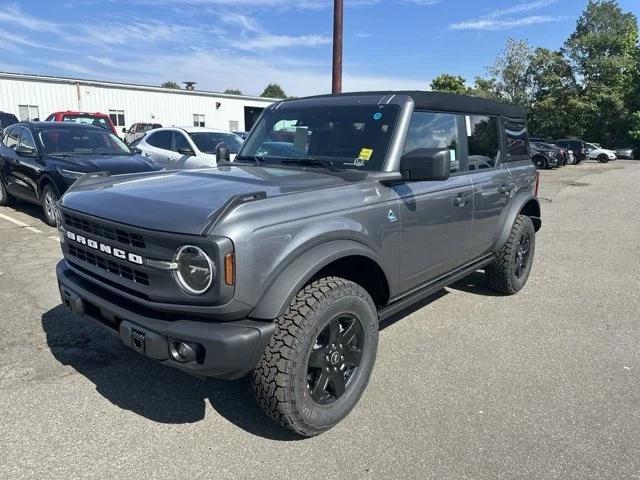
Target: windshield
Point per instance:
(87, 119)
(80, 141)
(346, 137)
(207, 141)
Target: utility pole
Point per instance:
(336, 83)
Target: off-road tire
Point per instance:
(5, 197)
(280, 382)
(501, 274)
(49, 217)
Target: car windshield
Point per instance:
(87, 119)
(344, 137)
(80, 141)
(207, 141)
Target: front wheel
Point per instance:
(603, 158)
(540, 162)
(320, 357)
(510, 270)
(49, 199)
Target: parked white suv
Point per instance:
(186, 147)
(601, 154)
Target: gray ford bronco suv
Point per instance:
(338, 211)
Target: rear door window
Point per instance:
(483, 140)
(180, 142)
(517, 138)
(161, 139)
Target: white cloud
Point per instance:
(13, 16)
(498, 24)
(495, 19)
(269, 42)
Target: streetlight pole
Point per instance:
(336, 83)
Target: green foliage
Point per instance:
(170, 84)
(511, 72)
(233, 91)
(449, 84)
(273, 90)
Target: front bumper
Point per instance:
(226, 349)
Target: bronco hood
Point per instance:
(185, 201)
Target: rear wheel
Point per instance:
(320, 357)
(510, 271)
(5, 197)
(49, 199)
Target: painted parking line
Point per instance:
(19, 223)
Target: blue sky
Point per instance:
(389, 44)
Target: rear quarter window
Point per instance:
(517, 138)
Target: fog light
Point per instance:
(184, 352)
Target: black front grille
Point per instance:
(108, 265)
(104, 231)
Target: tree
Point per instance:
(233, 91)
(273, 90)
(485, 88)
(604, 53)
(511, 72)
(449, 83)
(555, 96)
(170, 84)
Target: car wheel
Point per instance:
(510, 270)
(49, 199)
(320, 357)
(540, 162)
(5, 197)
(603, 158)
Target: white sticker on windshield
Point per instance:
(452, 152)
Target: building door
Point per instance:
(251, 115)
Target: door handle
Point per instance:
(506, 188)
(461, 200)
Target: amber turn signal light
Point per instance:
(229, 269)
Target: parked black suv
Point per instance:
(39, 161)
(545, 156)
(578, 147)
(282, 264)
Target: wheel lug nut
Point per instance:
(335, 369)
(340, 345)
(327, 369)
(341, 357)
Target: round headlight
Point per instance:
(195, 272)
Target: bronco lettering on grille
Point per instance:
(101, 247)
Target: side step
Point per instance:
(430, 288)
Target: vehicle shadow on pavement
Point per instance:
(393, 319)
(30, 209)
(135, 383)
(475, 283)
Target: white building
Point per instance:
(32, 97)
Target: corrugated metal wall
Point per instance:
(139, 105)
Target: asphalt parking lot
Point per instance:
(543, 384)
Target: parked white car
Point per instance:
(186, 147)
(602, 155)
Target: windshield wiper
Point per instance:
(328, 164)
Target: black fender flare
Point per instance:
(275, 300)
(521, 203)
(42, 181)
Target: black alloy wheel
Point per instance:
(335, 359)
(540, 162)
(521, 259)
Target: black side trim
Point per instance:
(427, 289)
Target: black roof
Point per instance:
(446, 102)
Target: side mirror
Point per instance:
(186, 151)
(424, 164)
(136, 150)
(26, 151)
(222, 152)
(124, 130)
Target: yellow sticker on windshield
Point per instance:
(365, 154)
